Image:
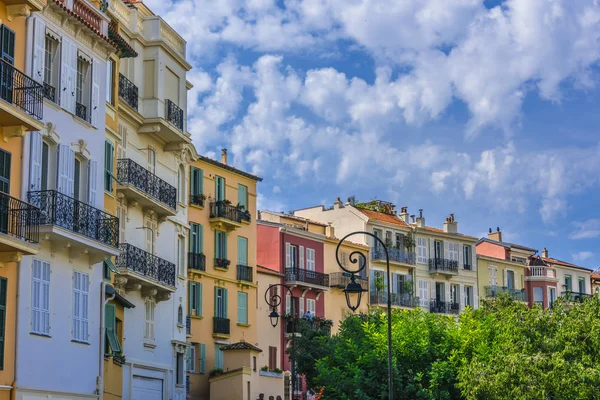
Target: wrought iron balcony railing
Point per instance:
(197, 261)
(575, 296)
(306, 276)
(130, 172)
(468, 267)
(399, 255)
(244, 273)
(245, 215)
(81, 111)
(222, 263)
(444, 307)
(197, 199)
(221, 325)
(50, 92)
(174, 114)
(21, 91)
(61, 210)
(128, 92)
(19, 219)
(493, 291)
(443, 265)
(148, 265)
(188, 325)
(220, 209)
(398, 299)
(342, 279)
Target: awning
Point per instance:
(111, 265)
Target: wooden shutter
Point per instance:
(39, 49)
(36, 294)
(35, 173)
(242, 308)
(288, 304)
(8, 45)
(68, 75)
(301, 306)
(190, 297)
(95, 104)
(66, 170)
(217, 313)
(76, 309)
(45, 297)
(92, 182)
(202, 363)
(288, 255)
(243, 196)
(225, 303)
(242, 251)
(198, 305)
(3, 285)
(272, 358)
(217, 245)
(109, 162)
(301, 257)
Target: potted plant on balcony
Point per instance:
(215, 372)
(265, 368)
(226, 202)
(240, 207)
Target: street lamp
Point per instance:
(274, 300)
(354, 292)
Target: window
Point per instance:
(81, 286)
(440, 293)
(45, 166)
(242, 251)
(40, 297)
(421, 250)
(122, 215)
(551, 296)
(453, 251)
(181, 185)
(469, 296)
(180, 255)
(493, 275)
(423, 293)
(242, 308)
(219, 188)
(51, 67)
(180, 315)
(150, 229)
(150, 306)
(202, 359)
(581, 282)
(112, 345)
(196, 182)
(311, 305)
(388, 239)
(221, 244)
(195, 298)
(110, 81)
(538, 295)
(438, 249)
(377, 280)
(82, 95)
(467, 257)
(179, 372)
(291, 256)
(3, 287)
(220, 302)
(109, 151)
(378, 234)
(191, 358)
(219, 359)
(568, 286)
(5, 158)
(77, 180)
(455, 294)
(310, 259)
(243, 196)
(254, 363)
(272, 358)
(510, 279)
(195, 238)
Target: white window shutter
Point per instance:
(446, 250)
(39, 49)
(288, 304)
(73, 76)
(45, 298)
(288, 256)
(35, 173)
(76, 317)
(92, 182)
(504, 278)
(95, 92)
(65, 75)
(461, 296)
(36, 296)
(301, 257)
(460, 250)
(301, 301)
(63, 169)
(85, 289)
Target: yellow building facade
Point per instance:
(21, 109)
(222, 289)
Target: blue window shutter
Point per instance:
(190, 297)
(242, 308)
(199, 299)
(225, 303)
(202, 366)
(242, 251)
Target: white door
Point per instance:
(147, 388)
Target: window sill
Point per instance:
(179, 385)
(182, 205)
(46, 335)
(196, 206)
(180, 326)
(83, 122)
(150, 345)
(196, 316)
(106, 192)
(52, 104)
(244, 325)
(221, 269)
(80, 342)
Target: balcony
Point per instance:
(174, 114)
(76, 226)
(443, 266)
(19, 228)
(540, 273)
(577, 297)
(128, 92)
(398, 299)
(444, 307)
(148, 190)
(493, 291)
(395, 255)
(143, 270)
(197, 200)
(81, 111)
(224, 216)
(342, 279)
(222, 263)
(244, 273)
(21, 102)
(220, 327)
(50, 92)
(188, 326)
(303, 277)
(196, 261)
(86, 17)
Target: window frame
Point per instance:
(42, 309)
(3, 301)
(149, 323)
(80, 309)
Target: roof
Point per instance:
(563, 263)
(265, 270)
(229, 168)
(437, 230)
(383, 217)
(292, 216)
(243, 345)
(507, 244)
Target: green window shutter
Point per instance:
(243, 196)
(190, 297)
(220, 188)
(224, 241)
(192, 183)
(111, 334)
(200, 238)
(216, 302)
(199, 299)
(242, 308)
(242, 251)
(3, 284)
(199, 181)
(202, 366)
(225, 303)
(217, 250)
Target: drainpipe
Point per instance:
(103, 302)
(14, 383)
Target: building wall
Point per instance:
(484, 278)
(307, 243)
(492, 250)
(269, 253)
(345, 219)
(267, 335)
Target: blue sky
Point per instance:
(485, 109)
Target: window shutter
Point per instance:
(301, 306)
(243, 196)
(202, 366)
(242, 251)
(199, 299)
(301, 257)
(36, 294)
(65, 64)
(288, 304)
(288, 256)
(2, 319)
(190, 297)
(92, 182)
(188, 358)
(217, 245)
(66, 170)
(225, 301)
(35, 173)
(242, 308)
(200, 238)
(45, 297)
(39, 49)
(192, 182)
(95, 93)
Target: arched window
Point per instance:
(180, 315)
(181, 184)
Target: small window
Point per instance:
(109, 151)
(82, 92)
(110, 82)
(180, 315)
(180, 256)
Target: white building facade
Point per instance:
(60, 291)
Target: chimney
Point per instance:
(451, 226)
(338, 204)
(545, 253)
(224, 156)
(497, 236)
(404, 215)
(329, 231)
(413, 218)
(420, 220)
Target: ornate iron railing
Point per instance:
(306, 276)
(188, 325)
(140, 261)
(50, 92)
(197, 199)
(342, 279)
(444, 307)
(493, 291)
(21, 91)
(221, 325)
(222, 263)
(399, 255)
(467, 267)
(398, 299)
(220, 209)
(128, 92)
(130, 172)
(64, 211)
(245, 215)
(575, 296)
(443, 265)
(174, 114)
(244, 273)
(81, 111)
(19, 219)
(197, 261)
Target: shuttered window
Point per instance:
(242, 251)
(112, 345)
(220, 302)
(150, 306)
(202, 359)
(423, 293)
(191, 358)
(196, 181)
(81, 286)
(422, 250)
(243, 196)
(272, 358)
(221, 244)
(195, 298)
(310, 259)
(40, 297)
(219, 188)
(3, 288)
(108, 166)
(242, 308)
(311, 305)
(195, 238)
(219, 359)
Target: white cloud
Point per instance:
(582, 256)
(589, 229)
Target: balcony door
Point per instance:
(510, 279)
(219, 188)
(438, 248)
(551, 296)
(5, 158)
(7, 52)
(150, 229)
(220, 302)
(455, 294)
(440, 292)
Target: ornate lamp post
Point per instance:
(274, 300)
(354, 292)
